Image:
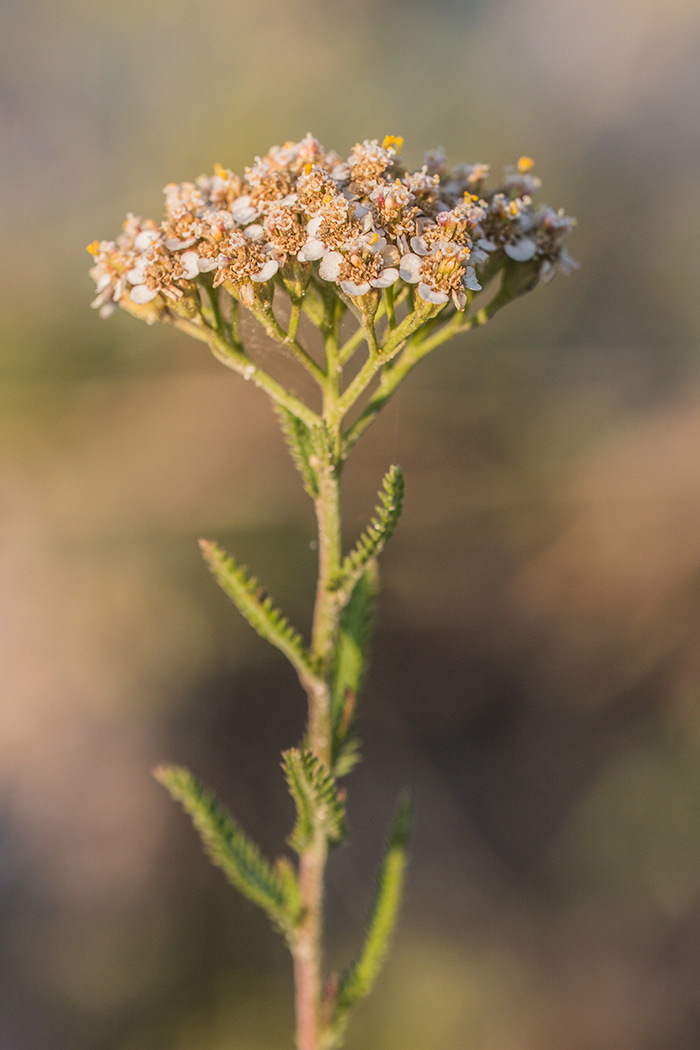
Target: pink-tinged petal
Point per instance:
(386, 278)
(470, 280)
(206, 265)
(521, 251)
(350, 288)
(141, 294)
(269, 270)
(419, 246)
(431, 295)
(189, 261)
(330, 266)
(409, 268)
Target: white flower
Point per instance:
(137, 274)
(141, 294)
(522, 250)
(190, 264)
(350, 288)
(419, 246)
(255, 232)
(206, 265)
(312, 250)
(269, 270)
(386, 278)
(431, 295)
(243, 210)
(329, 269)
(145, 239)
(409, 268)
(470, 280)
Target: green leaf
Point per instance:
(359, 980)
(301, 445)
(257, 608)
(350, 663)
(372, 542)
(315, 794)
(231, 850)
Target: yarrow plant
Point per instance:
(386, 264)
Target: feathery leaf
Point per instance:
(359, 980)
(231, 850)
(257, 608)
(300, 442)
(350, 662)
(315, 794)
(372, 542)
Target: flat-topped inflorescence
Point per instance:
(402, 254)
(301, 213)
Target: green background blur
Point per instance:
(536, 671)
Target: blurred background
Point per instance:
(536, 669)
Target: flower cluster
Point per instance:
(363, 224)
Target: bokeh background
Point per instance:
(536, 671)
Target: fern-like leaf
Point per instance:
(350, 663)
(315, 794)
(300, 442)
(257, 608)
(231, 850)
(359, 980)
(372, 542)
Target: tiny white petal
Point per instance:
(205, 265)
(330, 266)
(141, 294)
(377, 246)
(521, 251)
(175, 244)
(459, 299)
(312, 250)
(478, 256)
(190, 262)
(471, 281)
(419, 246)
(137, 274)
(254, 232)
(350, 288)
(386, 278)
(107, 309)
(145, 239)
(409, 268)
(269, 270)
(431, 295)
(488, 246)
(312, 226)
(547, 271)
